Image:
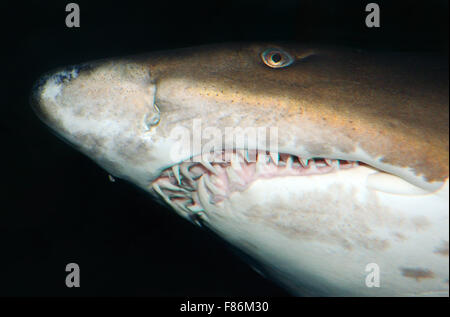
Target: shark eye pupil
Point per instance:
(276, 58)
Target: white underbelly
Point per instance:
(317, 234)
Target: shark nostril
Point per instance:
(66, 75)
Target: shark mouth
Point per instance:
(183, 186)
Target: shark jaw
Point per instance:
(195, 183)
(314, 225)
(313, 213)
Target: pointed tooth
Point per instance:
(347, 164)
(275, 157)
(261, 158)
(204, 199)
(197, 218)
(303, 162)
(251, 156)
(168, 185)
(203, 194)
(246, 157)
(212, 188)
(233, 177)
(175, 206)
(162, 194)
(187, 213)
(333, 163)
(261, 163)
(176, 173)
(289, 161)
(158, 189)
(195, 208)
(177, 195)
(235, 162)
(182, 206)
(217, 180)
(185, 171)
(209, 167)
(240, 154)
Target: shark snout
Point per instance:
(47, 91)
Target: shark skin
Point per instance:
(358, 178)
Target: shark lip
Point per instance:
(181, 185)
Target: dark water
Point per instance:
(58, 207)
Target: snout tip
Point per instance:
(36, 101)
(47, 88)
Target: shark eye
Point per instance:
(276, 58)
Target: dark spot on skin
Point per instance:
(421, 223)
(324, 119)
(417, 273)
(391, 124)
(399, 236)
(442, 249)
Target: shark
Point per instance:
(326, 166)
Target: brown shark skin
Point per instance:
(394, 107)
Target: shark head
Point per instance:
(292, 153)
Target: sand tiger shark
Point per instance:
(352, 200)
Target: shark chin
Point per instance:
(353, 198)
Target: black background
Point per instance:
(58, 207)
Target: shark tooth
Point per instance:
(333, 163)
(236, 162)
(176, 173)
(275, 156)
(261, 163)
(250, 156)
(204, 197)
(165, 197)
(233, 176)
(195, 208)
(241, 154)
(303, 162)
(185, 172)
(289, 162)
(168, 185)
(209, 167)
(212, 188)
